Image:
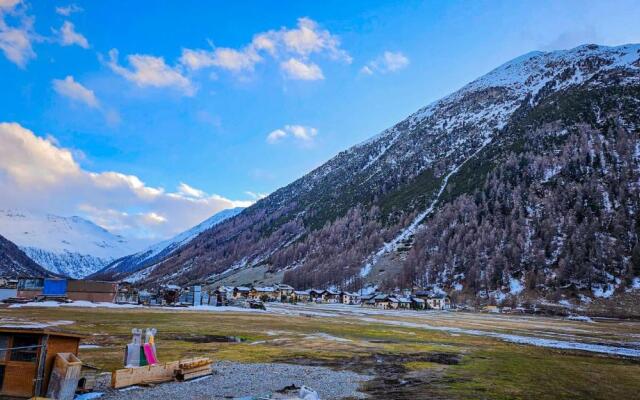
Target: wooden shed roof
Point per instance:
(38, 330)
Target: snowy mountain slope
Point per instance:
(135, 262)
(324, 227)
(14, 263)
(70, 246)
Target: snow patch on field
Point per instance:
(326, 336)
(528, 340)
(582, 318)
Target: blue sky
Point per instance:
(236, 99)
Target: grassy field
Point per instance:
(406, 361)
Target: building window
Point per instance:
(24, 348)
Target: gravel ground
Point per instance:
(231, 380)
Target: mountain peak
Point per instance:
(70, 246)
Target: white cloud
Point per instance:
(15, 41)
(296, 69)
(388, 62)
(304, 134)
(189, 191)
(150, 71)
(292, 48)
(33, 168)
(225, 58)
(68, 10)
(276, 135)
(308, 38)
(366, 70)
(69, 37)
(68, 87)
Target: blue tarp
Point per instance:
(55, 287)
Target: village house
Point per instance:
(241, 292)
(127, 294)
(394, 304)
(417, 303)
(383, 302)
(301, 296)
(286, 292)
(404, 302)
(367, 300)
(331, 296)
(317, 296)
(196, 296)
(266, 293)
(434, 300)
(349, 298)
(8, 288)
(9, 283)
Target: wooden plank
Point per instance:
(144, 375)
(194, 362)
(42, 361)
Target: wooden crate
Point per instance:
(64, 377)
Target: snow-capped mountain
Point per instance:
(70, 246)
(15, 264)
(566, 121)
(147, 257)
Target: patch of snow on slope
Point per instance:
(411, 229)
(515, 286)
(603, 291)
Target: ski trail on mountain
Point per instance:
(411, 229)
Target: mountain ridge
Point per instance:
(323, 228)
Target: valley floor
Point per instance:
(384, 354)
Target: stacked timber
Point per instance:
(193, 368)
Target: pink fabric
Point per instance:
(149, 354)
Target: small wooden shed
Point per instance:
(27, 355)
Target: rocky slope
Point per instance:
(504, 142)
(140, 261)
(15, 264)
(69, 246)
